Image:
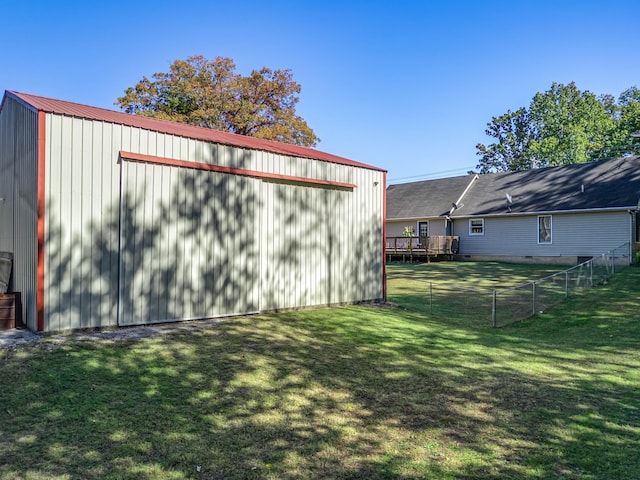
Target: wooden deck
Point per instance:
(421, 248)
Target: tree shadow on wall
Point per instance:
(187, 249)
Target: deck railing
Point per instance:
(432, 245)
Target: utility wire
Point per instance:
(427, 176)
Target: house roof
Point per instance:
(429, 198)
(61, 107)
(603, 184)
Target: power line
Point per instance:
(428, 176)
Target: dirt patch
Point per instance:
(15, 338)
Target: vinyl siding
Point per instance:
(573, 234)
(396, 228)
(18, 209)
(180, 243)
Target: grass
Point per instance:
(355, 392)
(462, 293)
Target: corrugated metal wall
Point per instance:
(188, 244)
(197, 243)
(321, 246)
(577, 234)
(18, 209)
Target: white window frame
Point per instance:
(471, 226)
(550, 217)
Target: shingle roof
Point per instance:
(62, 107)
(603, 184)
(429, 198)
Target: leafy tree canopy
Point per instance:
(561, 126)
(209, 93)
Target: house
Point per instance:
(556, 215)
(116, 219)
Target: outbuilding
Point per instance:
(116, 219)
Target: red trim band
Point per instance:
(139, 157)
(42, 125)
(384, 236)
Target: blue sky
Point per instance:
(403, 85)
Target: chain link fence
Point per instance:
(503, 306)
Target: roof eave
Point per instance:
(21, 101)
(549, 212)
(170, 128)
(411, 219)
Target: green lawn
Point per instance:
(462, 293)
(356, 392)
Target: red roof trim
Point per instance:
(61, 107)
(384, 237)
(42, 136)
(138, 157)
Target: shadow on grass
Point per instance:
(357, 392)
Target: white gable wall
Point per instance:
(19, 193)
(147, 243)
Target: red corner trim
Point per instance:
(384, 236)
(42, 124)
(139, 157)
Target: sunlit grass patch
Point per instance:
(352, 392)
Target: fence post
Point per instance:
(566, 283)
(533, 299)
(430, 297)
(613, 262)
(493, 311)
(591, 273)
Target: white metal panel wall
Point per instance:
(188, 245)
(18, 209)
(321, 245)
(576, 234)
(83, 216)
(83, 211)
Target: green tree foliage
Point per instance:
(629, 120)
(562, 126)
(209, 93)
(511, 151)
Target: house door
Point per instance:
(423, 229)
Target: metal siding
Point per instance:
(577, 234)
(18, 210)
(309, 245)
(187, 247)
(321, 246)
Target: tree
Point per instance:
(211, 94)
(571, 126)
(511, 152)
(561, 126)
(629, 123)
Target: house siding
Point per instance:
(130, 243)
(436, 227)
(19, 191)
(572, 235)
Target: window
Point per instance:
(544, 229)
(476, 227)
(423, 229)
